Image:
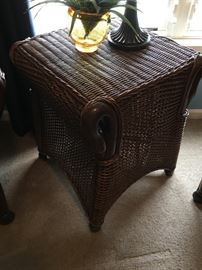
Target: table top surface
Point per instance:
(52, 61)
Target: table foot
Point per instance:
(197, 195)
(169, 172)
(94, 228)
(43, 156)
(7, 217)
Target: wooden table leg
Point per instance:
(197, 195)
(6, 216)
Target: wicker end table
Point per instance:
(110, 117)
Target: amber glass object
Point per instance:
(89, 30)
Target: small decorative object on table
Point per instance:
(126, 37)
(88, 20)
(88, 30)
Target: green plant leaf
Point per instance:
(39, 10)
(47, 2)
(92, 6)
(97, 8)
(76, 12)
(124, 19)
(89, 23)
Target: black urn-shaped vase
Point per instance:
(127, 38)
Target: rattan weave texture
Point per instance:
(144, 93)
(56, 64)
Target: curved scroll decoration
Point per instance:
(100, 126)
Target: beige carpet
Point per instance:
(153, 226)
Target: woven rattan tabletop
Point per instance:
(52, 62)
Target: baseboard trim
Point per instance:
(195, 114)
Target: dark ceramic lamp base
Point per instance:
(127, 40)
(129, 37)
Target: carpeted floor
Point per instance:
(153, 226)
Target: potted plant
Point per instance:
(88, 20)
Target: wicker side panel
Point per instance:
(153, 123)
(151, 136)
(63, 142)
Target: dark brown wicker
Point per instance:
(109, 117)
(197, 195)
(2, 92)
(6, 216)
